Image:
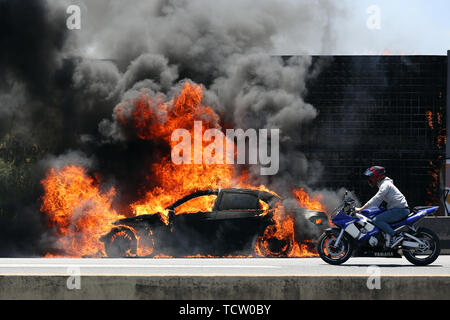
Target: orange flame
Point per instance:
(429, 115)
(283, 230)
(307, 202)
(279, 239)
(439, 135)
(157, 120)
(78, 210)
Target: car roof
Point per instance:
(263, 195)
(260, 193)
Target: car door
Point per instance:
(237, 218)
(194, 225)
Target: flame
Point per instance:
(145, 243)
(82, 213)
(283, 231)
(429, 115)
(307, 202)
(263, 205)
(279, 239)
(157, 120)
(79, 211)
(202, 204)
(438, 130)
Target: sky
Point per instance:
(408, 26)
(405, 27)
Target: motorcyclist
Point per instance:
(397, 207)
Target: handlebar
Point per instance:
(349, 206)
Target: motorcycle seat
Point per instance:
(412, 212)
(417, 209)
(397, 221)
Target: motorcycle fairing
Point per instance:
(342, 220)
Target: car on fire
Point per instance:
(235, 226)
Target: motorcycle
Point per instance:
(356, 234)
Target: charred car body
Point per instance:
(236, 222)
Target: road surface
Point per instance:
(220, 267)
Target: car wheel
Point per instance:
(266, 246)
(121, 242)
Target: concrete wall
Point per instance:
(225, 287)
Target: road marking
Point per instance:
(227, 275)
(130, 266)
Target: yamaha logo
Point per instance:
(383, 254)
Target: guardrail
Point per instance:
(226, 287)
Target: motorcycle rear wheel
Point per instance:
(426, 256)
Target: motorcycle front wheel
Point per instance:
(333, 253)
(426, 254)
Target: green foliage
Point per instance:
(17, 184)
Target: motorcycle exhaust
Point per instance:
(410, 244)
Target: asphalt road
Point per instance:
(223, 266)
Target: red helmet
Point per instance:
(375, 174)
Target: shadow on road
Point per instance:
(389, 265)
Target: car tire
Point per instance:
(272, 248)
(121, 242)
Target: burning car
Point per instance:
(224, 222)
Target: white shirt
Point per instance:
(390, 194)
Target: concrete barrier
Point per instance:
(225, 287)
(440, 225)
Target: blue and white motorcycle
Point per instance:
(355, 234)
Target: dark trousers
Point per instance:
(384, 219)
